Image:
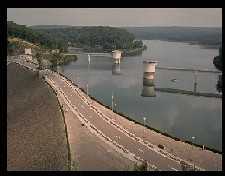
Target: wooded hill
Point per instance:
(92, 38)
(206, 36)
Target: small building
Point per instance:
(55, 51)
(116, 54)
(28, 51)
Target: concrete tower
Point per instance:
(116, 54)
(148, 79)
(149, 72)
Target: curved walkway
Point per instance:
(127, 140)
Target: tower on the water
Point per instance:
(148, 78)
(116, 54)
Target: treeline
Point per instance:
(36, 37)
(208, 36)
(217, 61)
(90, 38)
(96, 38)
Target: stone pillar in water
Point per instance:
(116, 54)
(149, 72)
(148, 79)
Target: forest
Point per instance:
(90, 38)
(210, 37)
(93, 38)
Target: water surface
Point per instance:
(179, 115)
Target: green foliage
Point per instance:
(69, 58)
(137, 44)
(74, 166)
(217, 61)
(94, 38)
(199, 35)
(141, 167)
(40, 38)
(91, 39)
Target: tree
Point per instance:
(217, 61)
(23, 32)
(141, 167)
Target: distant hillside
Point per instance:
(49, 26)
(92, 38)
(37, 37)
(207, 36)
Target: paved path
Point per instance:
(130, 145)
(154, 156)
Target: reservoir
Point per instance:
(179, 115)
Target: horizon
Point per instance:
(112, 26)
(118, 17)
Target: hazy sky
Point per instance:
(117, 16)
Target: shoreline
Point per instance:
(202, 46)
(146, 126)
(207, 157)
(174, 147)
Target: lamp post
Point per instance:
(144, 118)
(112, 100)
(193, 138)
(77, 81)
(87, 88)
(89, 62)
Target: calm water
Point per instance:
(179, 115)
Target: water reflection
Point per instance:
(148, 88)
(116, 69)
(219, 84)
(181, 115)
